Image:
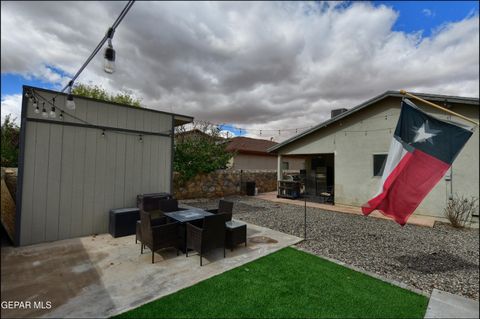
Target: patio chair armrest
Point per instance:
(159, 221)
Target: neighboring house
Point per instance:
(251, 153)
(348, 151)
(73, 169)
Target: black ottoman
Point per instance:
(236, 233)
(123, 221)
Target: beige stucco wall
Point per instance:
(250, 161)
(354, 150)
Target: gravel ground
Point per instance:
(441, 257)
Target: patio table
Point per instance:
(184, 216)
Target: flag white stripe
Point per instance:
(395, 155)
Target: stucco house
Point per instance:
(348, 151)
(251, 153)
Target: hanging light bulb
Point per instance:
(103, 133)
(53, 114)
(35, 105)
(109, 55)
(140, 139)
(61, 115)
(70, 104)
(27, 95)
(44, 111)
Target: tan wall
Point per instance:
(250, 161)
(354, 180)
(73, 176)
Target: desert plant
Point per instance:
(460, 209)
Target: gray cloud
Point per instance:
(257, 64)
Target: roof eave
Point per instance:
(433, 97)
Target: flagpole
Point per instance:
(438, 107)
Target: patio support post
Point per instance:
(279, 167)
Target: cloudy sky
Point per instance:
(256, 65)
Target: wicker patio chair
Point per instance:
(169, 205)
(224, 207)
(209, 236)
(156, 206)
(163, 235)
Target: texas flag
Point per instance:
(422, 150)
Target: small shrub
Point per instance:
(460, 209)
(9, 142)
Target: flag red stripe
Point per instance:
(408, 184)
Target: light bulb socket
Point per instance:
(109, 53)
(110, 33)
(37, 110)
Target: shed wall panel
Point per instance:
(73, 175)
(53, 183)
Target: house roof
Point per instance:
(426, 96)
(249, 145)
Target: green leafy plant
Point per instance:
(10, 141)
(199, 148)
(99, 93)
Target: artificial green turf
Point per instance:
(287, 284)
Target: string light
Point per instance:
(37, 109)
(103, 133)
(109, 55)
(141, 138)
(53, 114)
(61, 115)
(44, 111)
(70, 104)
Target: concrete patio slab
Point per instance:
(446, 305)
(101, 276)
(414, 220)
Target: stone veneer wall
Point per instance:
(224, 182)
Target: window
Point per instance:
(379, 161)
(285, 165)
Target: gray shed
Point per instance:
(74, 168)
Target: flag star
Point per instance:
(424, 133)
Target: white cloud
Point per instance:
(428, 13)
(256, 65)
(12, 105)
(226, 134)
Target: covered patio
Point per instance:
(102, 276)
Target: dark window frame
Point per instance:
(379, 161)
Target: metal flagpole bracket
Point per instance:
(405, 93)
